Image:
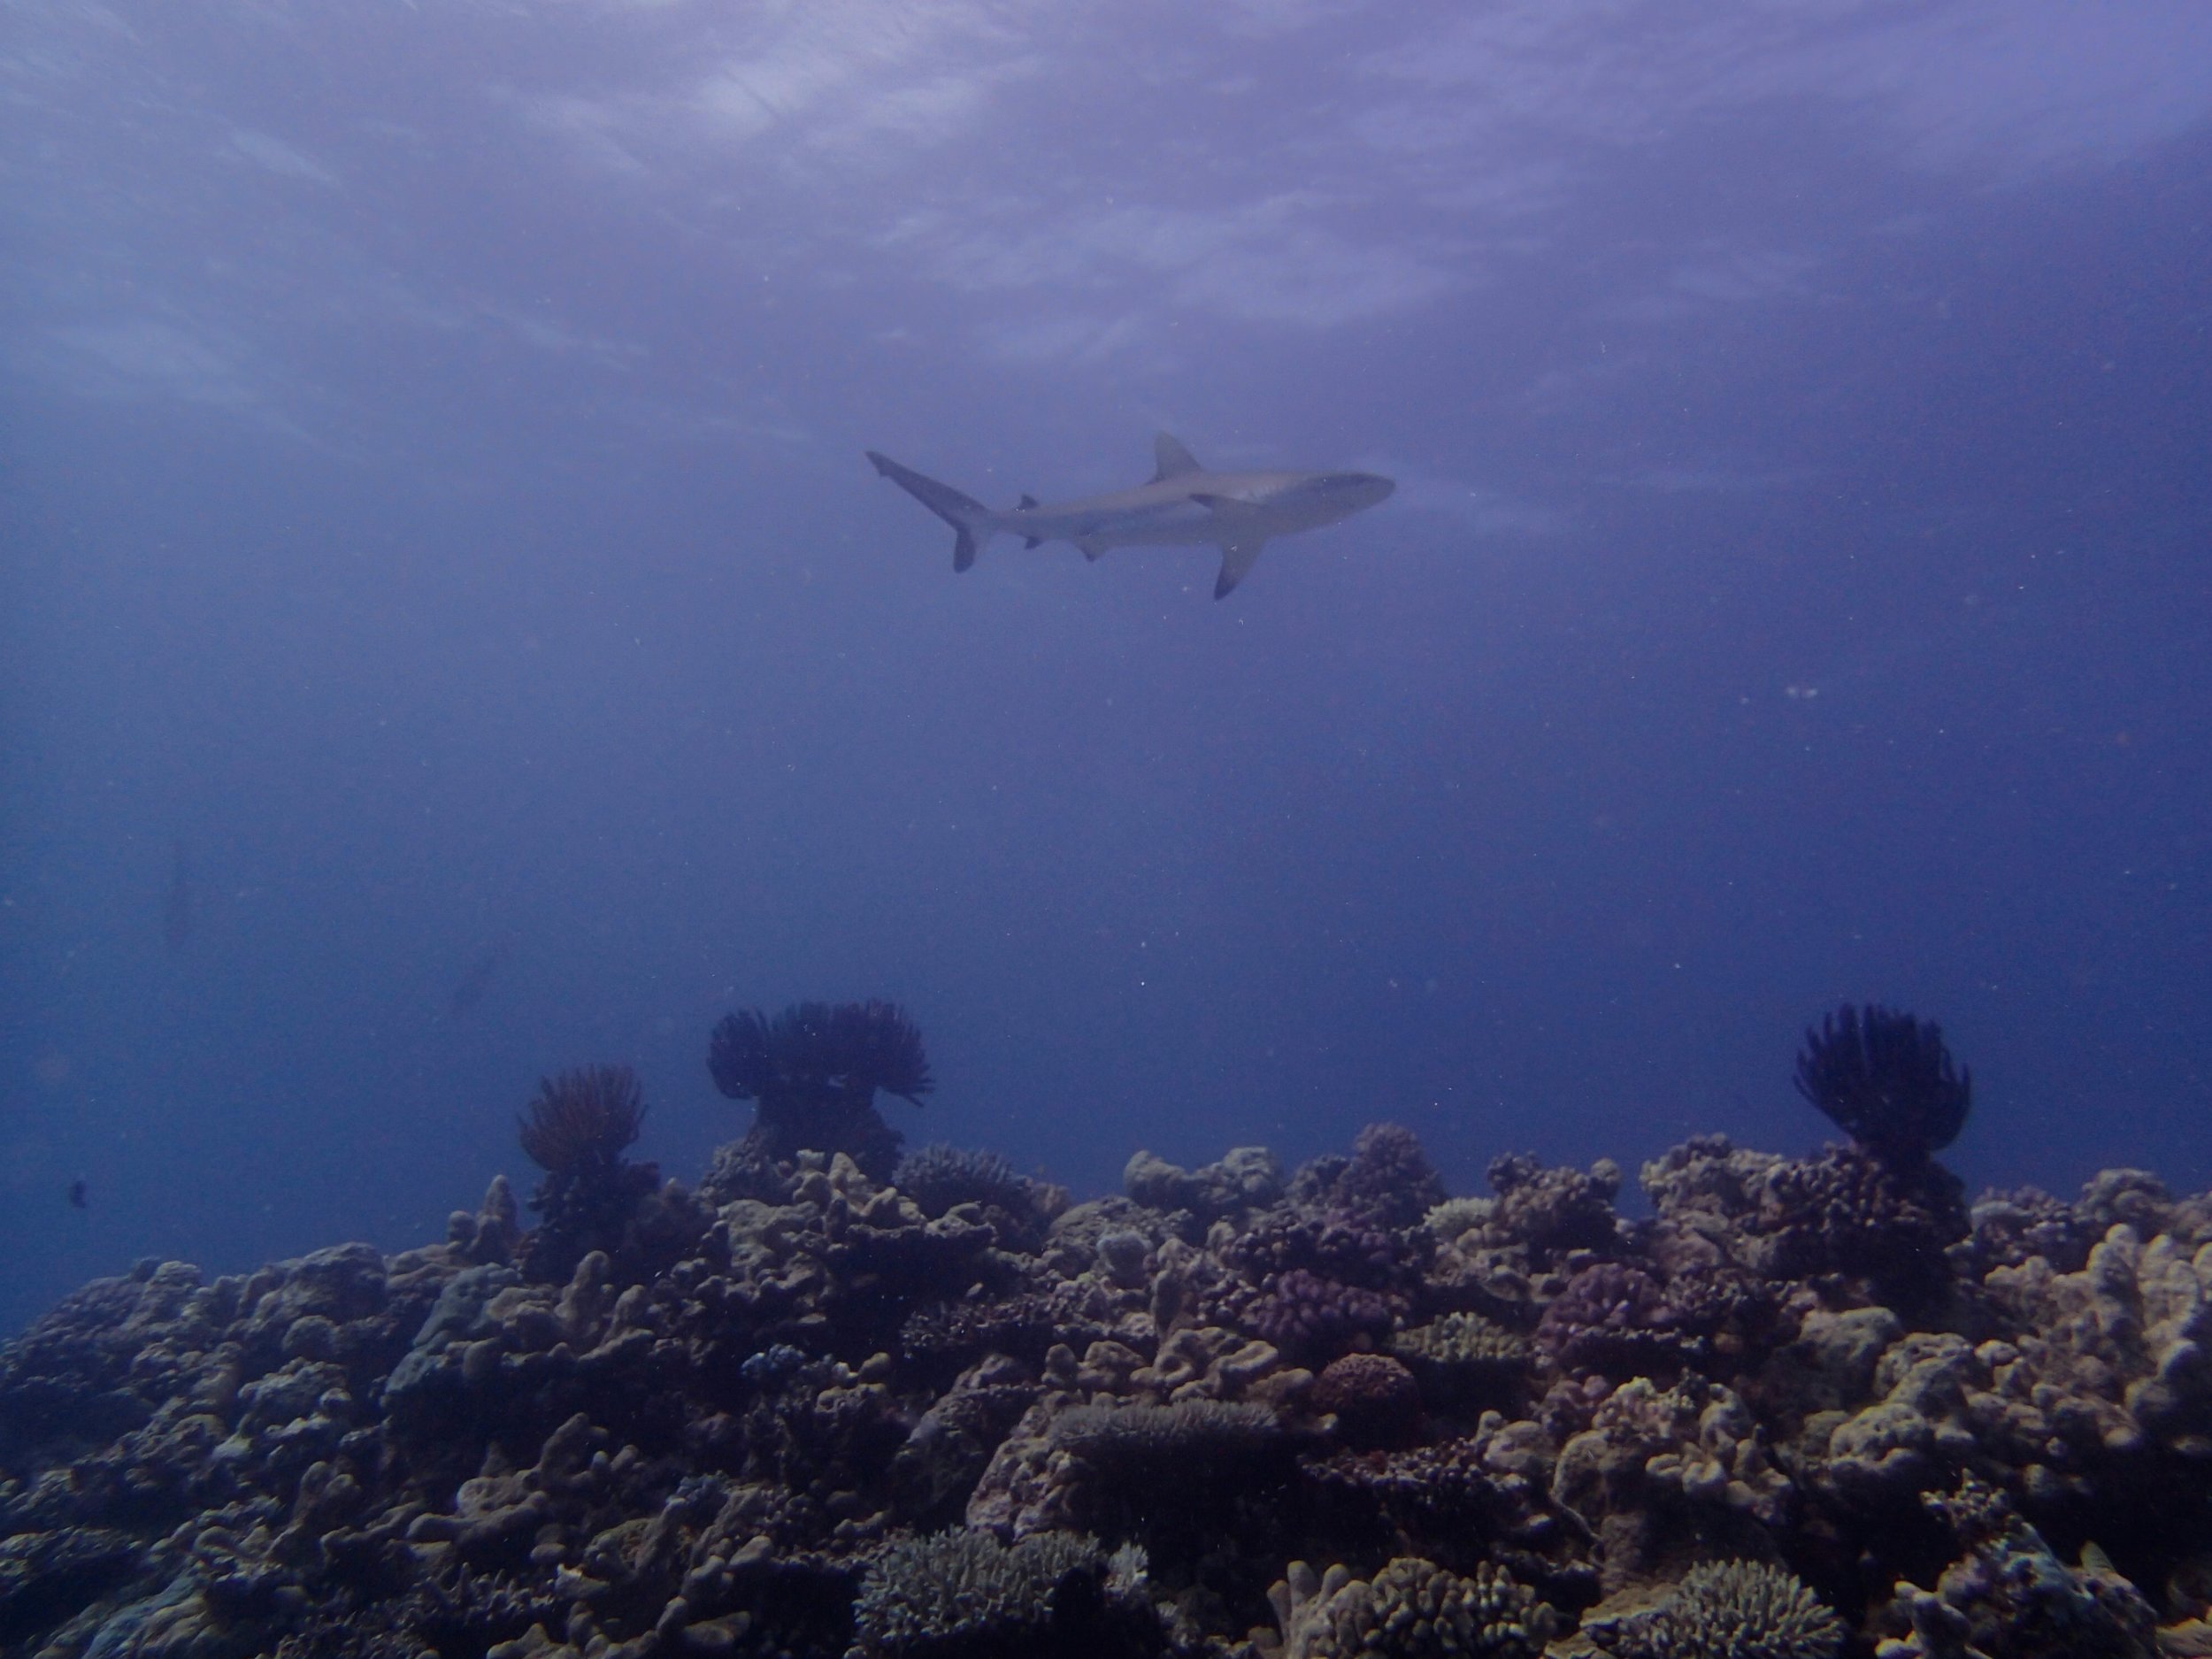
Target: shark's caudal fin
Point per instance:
(973, 521)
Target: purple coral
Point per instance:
(1375, 1398)
(1389, 1181)
(1848, 1212)
(1313, 1318)
(1612, 1318)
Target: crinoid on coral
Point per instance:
(577, 1127)
(1886, 1080)
(1734, 1609)
(812, 1074)
(966, 1595)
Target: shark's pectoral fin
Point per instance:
(1236, 557)
(1092, 548)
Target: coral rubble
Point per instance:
(838, 1403)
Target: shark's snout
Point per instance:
(1350, 492)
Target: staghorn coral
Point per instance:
(813, 1072)
(1736, 1610)
(1886, 1080)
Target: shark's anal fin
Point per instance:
(1236, 557)
(1170, 459)
(1092, 548)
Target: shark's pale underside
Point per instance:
(1184, 505)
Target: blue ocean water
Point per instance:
(448, 631)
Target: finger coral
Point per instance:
(1886, 1080)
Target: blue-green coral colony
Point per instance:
(829, 1402)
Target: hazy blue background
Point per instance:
(433, 499)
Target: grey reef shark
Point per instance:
(1184, 505)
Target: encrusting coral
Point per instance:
(835, 1403)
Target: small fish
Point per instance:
(77, 1190)
(177, 910)
(475, 982)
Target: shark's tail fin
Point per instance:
(971, 518)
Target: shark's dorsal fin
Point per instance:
(1173, 459)
(1236, 559)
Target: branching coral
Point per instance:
(1411, 1609)
(1886, 1080)
(1389, 1181)
(813, 1072)
(1736, 1610)
(2009, 1596)
(1313, 1319)
(965, 1592)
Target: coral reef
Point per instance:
(834, 1402)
